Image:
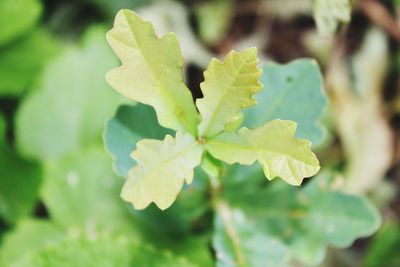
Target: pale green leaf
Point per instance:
(191, 204)
(125, 129)
(328, 14)
(227, 88)
(81, 192)
(294, 91)
(19, 184)
(273, 145)
(72, 103)
(235, 123)
(180, 23)
(305, 220)
(162, 167)
(213, 18)
(151, 71)
(239, 243)
(22, 62)
(17, 17)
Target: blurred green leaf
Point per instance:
(81, 192)
(338, 218)
(238, 242)
(28, 237)
(328, 14)
(306, 220)
(3, 128)
(194, 248)
(213, 18)
(19, 184)
(104, 252)
(125, 129)
(112, 7)
(285, 9)
(291, 92)
(41, 244)
(243, 178)
(193, 200)
(21, 62)
(180, 23)
(72, 104)
(17, 17)
(384, 250)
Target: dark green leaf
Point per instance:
(3, 128)
(194, 248)
(19, 184)
(17, 17)
(22, 62)
(191, 204)
(384, 250)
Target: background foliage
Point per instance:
(59, 192)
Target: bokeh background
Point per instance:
(57, 178)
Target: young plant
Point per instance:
(253, 225)
(151, 73)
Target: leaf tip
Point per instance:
(163, 206)
(251, 51)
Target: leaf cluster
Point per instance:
(253, 225)
(151, 73)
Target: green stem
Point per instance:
(223, 210)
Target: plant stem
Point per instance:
(224, 211)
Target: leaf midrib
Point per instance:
(162, 164)
(162, 89)
(225, 91)
(254, 148)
